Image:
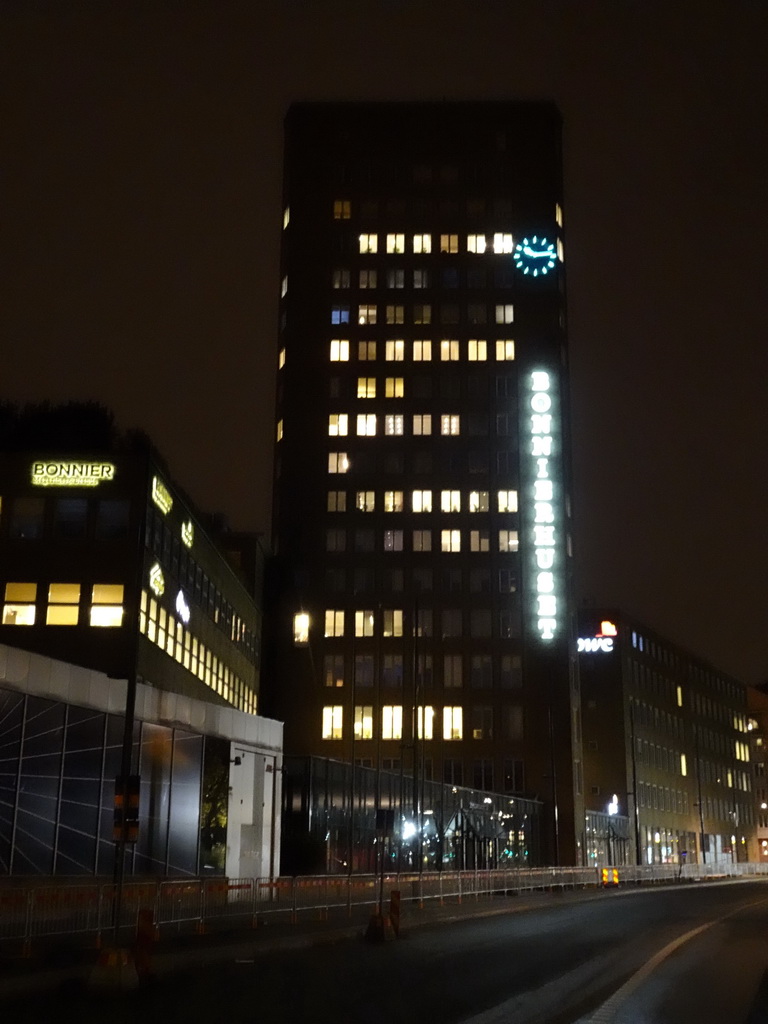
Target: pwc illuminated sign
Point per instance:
(601, 642)
(540, 462)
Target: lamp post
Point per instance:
(613, 809)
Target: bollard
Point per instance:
(394, 911)
(146, 934)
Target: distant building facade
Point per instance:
(757, 701)
(666, 740)
(420, 603)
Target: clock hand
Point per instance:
(540, 254)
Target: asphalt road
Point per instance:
(679, 955)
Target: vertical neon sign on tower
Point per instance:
(545, 537)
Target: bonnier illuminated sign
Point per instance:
(541, 421)
(71, 474)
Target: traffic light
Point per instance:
(126, 820)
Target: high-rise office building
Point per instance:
(421, 585)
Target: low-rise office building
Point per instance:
(105, 563)
(108, 572)
(666, 742)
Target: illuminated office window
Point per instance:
(422, 423)
(19, 607)
(286, 217)
(279, 430)
(421, 278)
(281, 359)
(392, 722)
(338, 462)
(505, 313)
(395, 278)
(479, 540)
(332, 719)
(502, 242)
(478, 501)
(392, 622)
(366, 387)
(394, 350)
(395, 243)
(477, 350)
(394, 387)
(476, 243)
(449, 350)
(366, 313)
(395, 314)
(450, 540)
(300, 629)
(367, 278)
(63, 604)
(450, 501)
(508, 540)
(453, 728)
(450, 424)
(334, 622)
(369, 243)
(107, 604)
(421, 501)
(422, 313)
(338, 424)
(425, 717)
(364, 622)
(422, 540)
(339, 314)
(393, 540)
(339, 351)
(507, 501)
(365, 501)
(366, 351)
(449, 243)
(505, 351)
(422, 243)
(366, 424)
(422, 351)
(339, 278)
(393, 501)
(393, 425)
(363, 722)
(342, 209)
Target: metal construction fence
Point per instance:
(30, 914)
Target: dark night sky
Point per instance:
(140, 220)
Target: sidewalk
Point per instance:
(63, 964)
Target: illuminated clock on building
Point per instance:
(535, 256)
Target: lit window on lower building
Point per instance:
(63, 604)
(332, 719)
(107, 605)
(19, 607)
